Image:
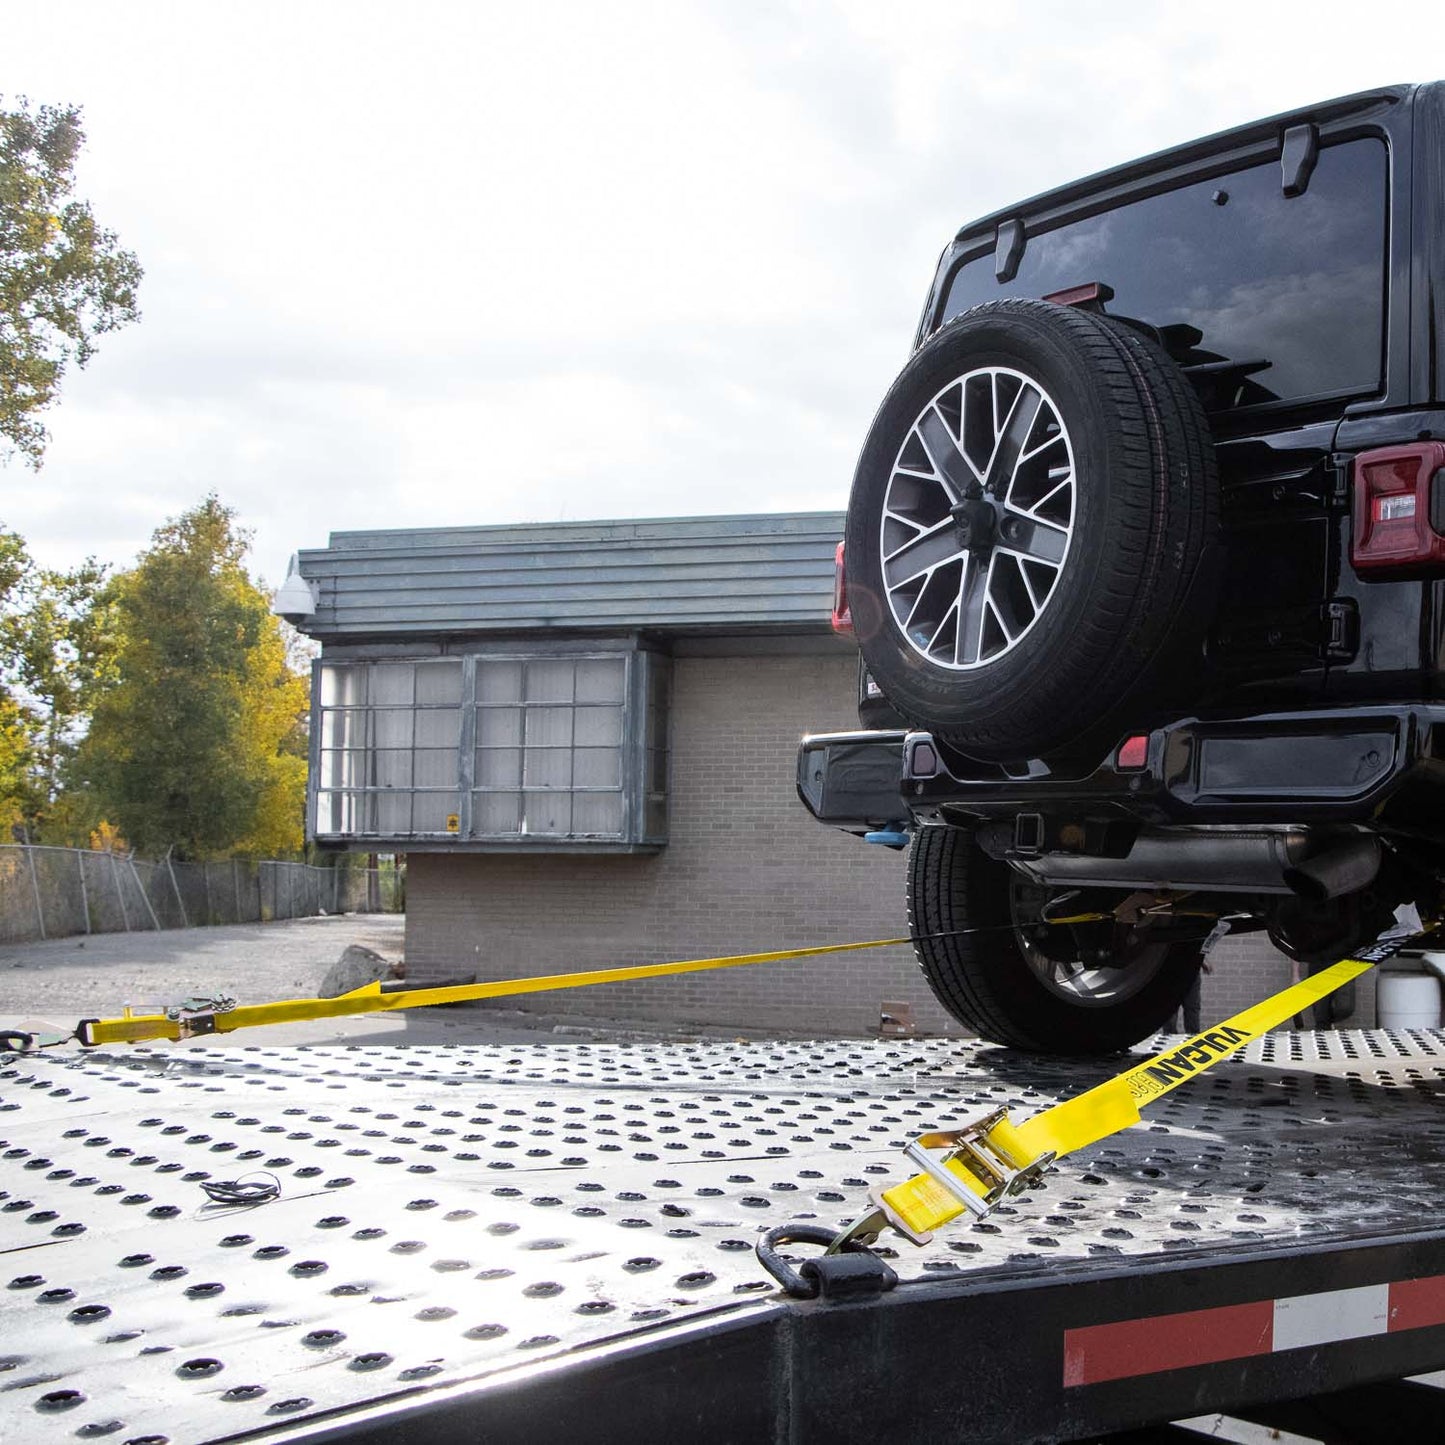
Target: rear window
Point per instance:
(1268, 298)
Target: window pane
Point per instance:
(392, 727)
(390, 769)
(549, 727)
(343, 686)
(597, 768)
(342, 770)
(547, 813)
(440, 728)
(497, 813)
(499, 726)
(393, 812)
(599, 726)
(343, 729)
(435, 768)
(331, 813)
(499, 681)
(431, 812)
(597, 813)
(601, 679)
(1294, 282)
(549, 680)
(547, 768)
(391, 683)
(439, 682)
(499, 768)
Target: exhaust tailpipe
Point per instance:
(1350, 865)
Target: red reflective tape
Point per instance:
(1416, 1303)
(1096, 1353)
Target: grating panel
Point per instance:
(456, 1211)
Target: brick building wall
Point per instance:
(746, 869)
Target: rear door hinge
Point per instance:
(1337, 482)
(1339, 630)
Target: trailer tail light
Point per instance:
(842, 616)
(1399, 522)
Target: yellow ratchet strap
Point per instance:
(973, 1167)
(185, 1023)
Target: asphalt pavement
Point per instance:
(49, 986)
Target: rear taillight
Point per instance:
(1399, 523)
(842, 617)
(1133, 753)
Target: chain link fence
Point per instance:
(56, 892)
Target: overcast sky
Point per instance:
(420, 263)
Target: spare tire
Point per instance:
(1031, 538)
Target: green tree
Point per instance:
(64, 280)
(59, 646)
(16, 722)
(199, 740)
(55, 652)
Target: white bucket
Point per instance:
(1408, 1001)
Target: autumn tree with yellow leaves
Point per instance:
(198, 743)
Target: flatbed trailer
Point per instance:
(557, 1242)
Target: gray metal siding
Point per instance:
(686, 574)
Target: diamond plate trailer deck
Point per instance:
(555, 1242)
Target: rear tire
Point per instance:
(999, 984)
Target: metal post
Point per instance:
(119, 892)
(176, 887)
(236, 885)
(335, 888)
(144, 896)
(84, 897)
(35, 887)
(206, 879)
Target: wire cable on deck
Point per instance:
(245, 1191)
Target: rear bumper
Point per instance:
(1382, 764)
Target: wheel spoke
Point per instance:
(1036, 539)
(1004, 463)
(1003, 601)
(957, 473)
(928, 550)
(942, 624)
(972, 594)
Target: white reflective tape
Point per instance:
(1337, 1314)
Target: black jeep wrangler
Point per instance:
(1145, 557)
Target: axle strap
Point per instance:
(183, 1023)
(972, 1167)
(223, 1015)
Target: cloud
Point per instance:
(465, 263)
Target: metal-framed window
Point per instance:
(516, 749)
(388, 764)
